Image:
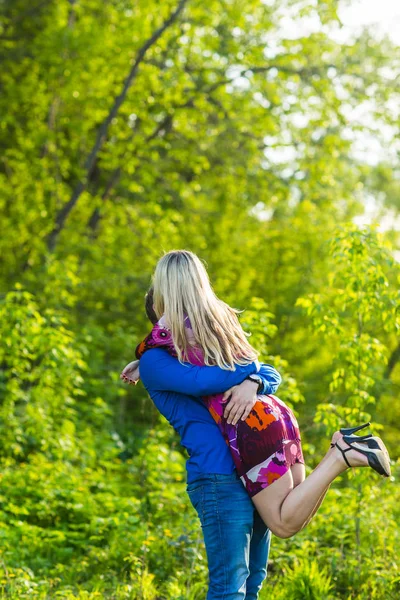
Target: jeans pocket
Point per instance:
(196, 496)
(192, 487)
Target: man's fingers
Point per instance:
(235, 415)
(226, 395)
(241, 403)
(246, 413)
(227, 411)
(237, 411)
(232, 408)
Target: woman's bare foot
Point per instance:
(355, 458)
(335, 438)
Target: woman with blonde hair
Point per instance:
(198, 328)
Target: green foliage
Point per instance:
(258, 320)
(242, 151)
(358, 305)
(307, 581)
(84, 530)
(41, 379)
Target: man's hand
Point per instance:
(242, 399)
(131, 373)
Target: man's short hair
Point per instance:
(149, 306)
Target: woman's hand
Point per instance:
(241, 400)
(131, 373)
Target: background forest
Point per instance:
(234, 129)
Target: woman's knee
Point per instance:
(282, 528)
(282, 531)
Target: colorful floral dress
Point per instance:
(265, 445)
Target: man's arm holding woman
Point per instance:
(162, 372)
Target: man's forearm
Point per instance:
(165, 373)
(162, 372)
(271, 379)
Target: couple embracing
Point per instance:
(245, 471)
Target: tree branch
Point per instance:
(95, 217)
(103, 129)
(393, 360)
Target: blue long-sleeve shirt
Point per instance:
(176, 389)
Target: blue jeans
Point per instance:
(237, 540)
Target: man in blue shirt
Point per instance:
(176, 391)
(236, 539)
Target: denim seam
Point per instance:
(221, 540)
(202, 511)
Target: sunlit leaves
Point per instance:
(355, 311)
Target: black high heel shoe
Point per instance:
(350, 430)
(356, 438)
(377, 454)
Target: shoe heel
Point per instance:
(350, 430)
(358, 438)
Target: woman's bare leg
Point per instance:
(299, 475)
(336, 436)
(286, 508)
(319, 502)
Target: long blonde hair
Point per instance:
(182, 287)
